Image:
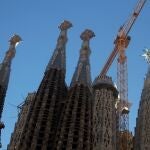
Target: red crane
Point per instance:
(121, 42)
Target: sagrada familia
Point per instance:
(81, 116)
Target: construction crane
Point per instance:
(121, 42)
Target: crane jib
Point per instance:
(123, 31)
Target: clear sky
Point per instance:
(37, 23)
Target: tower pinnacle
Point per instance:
(5, 65)
(82, 72)
(58, 60)
(15, 39)
(146, 55)
(11, 51)
(65, 25)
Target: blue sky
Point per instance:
(37, 23)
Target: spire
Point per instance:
(146, 55)
(142, 135)
(82, 73)
(5, 73)
(6, 64)
(58, 60)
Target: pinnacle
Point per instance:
(65, 25)
(15, 39)
(87, 35)
(82, 73)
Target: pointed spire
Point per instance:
(6, 64)
(146, 55)
(5, 73)
(58, 60)
(82, 73)
(12, 51)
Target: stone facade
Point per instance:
(75, 129)
(75, 132)
(23, 117)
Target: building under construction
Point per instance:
(84, 115)
(142, 130)
(79, 117)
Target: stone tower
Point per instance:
(5, 68)
(105, 95)
(75, 130)
(23, 117)
(39, 132)
(142, 130)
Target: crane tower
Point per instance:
(121, 42)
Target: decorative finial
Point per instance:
(87, 35)
(15, 39)
(65, 25)
(146, 55)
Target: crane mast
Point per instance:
(121, 43)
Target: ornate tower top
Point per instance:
(82, 73)
(6, 64)
(15, 39)
(87, 35)
(58, 60)
(146, 55)
(11, 51)
(65, 25)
